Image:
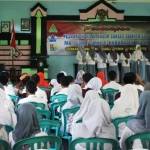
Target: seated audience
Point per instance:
(112, 76)
(74, 98)
(27, 124)
(64, 86)
(141, 122)
(93, 119)
(128, 102)
(39, 92)
(55, 87)
(31, 97)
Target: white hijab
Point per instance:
(78, 79)
(74, 96)
(56, 86)
(128, 102)
(95, 83)
(95, 115)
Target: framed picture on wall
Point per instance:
(25, 24)
(5, 26)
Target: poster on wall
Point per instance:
(65, 38)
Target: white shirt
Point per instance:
(41, 94)
(63, 91)
(7, 114)
(128, 102)
(110, 60)
(123, 60)
(113, 85)
(31, 98)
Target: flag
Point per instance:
(14, 52)
(13, 37)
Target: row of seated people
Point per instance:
(94, 118)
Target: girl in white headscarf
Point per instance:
(79, 79)
(56, 87)
(95, 84)
(74, 99)
(93, 119)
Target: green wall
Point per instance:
(16, 10)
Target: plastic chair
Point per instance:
(58, 98)
(38, 105)
(14, 98)
(8, 128)
(41, 142)
(4, 145)
(43, 114)
(50, 126)
(54, 109)
(66, 113)
(144, 137)
(109, 95)
(94, 143)
(118, 121)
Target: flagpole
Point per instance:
(13, 47)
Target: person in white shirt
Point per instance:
(90, 64)
(41, 94)
(125, 62)
(101, 60)
(80, 58)
(31, 89)
(112, 81)
(113, 58)
(128, 102)
(64, 84)
(93, 119)
(138, 64)
(7, 114)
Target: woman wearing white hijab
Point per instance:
(74, 96)
(79, 79)
(56, 87)
(93, 119)
(95, 84)
(74, 99)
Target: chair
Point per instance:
(4, 145)
(144, 137)
(14, 98)
(109, 95)
(50, 126)
(54, 109)
(43, 114)
(38, 105)
(8, 128)
(94, 143)
(42, 142)
(120, 120)
(58, 98)
(66, 113)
